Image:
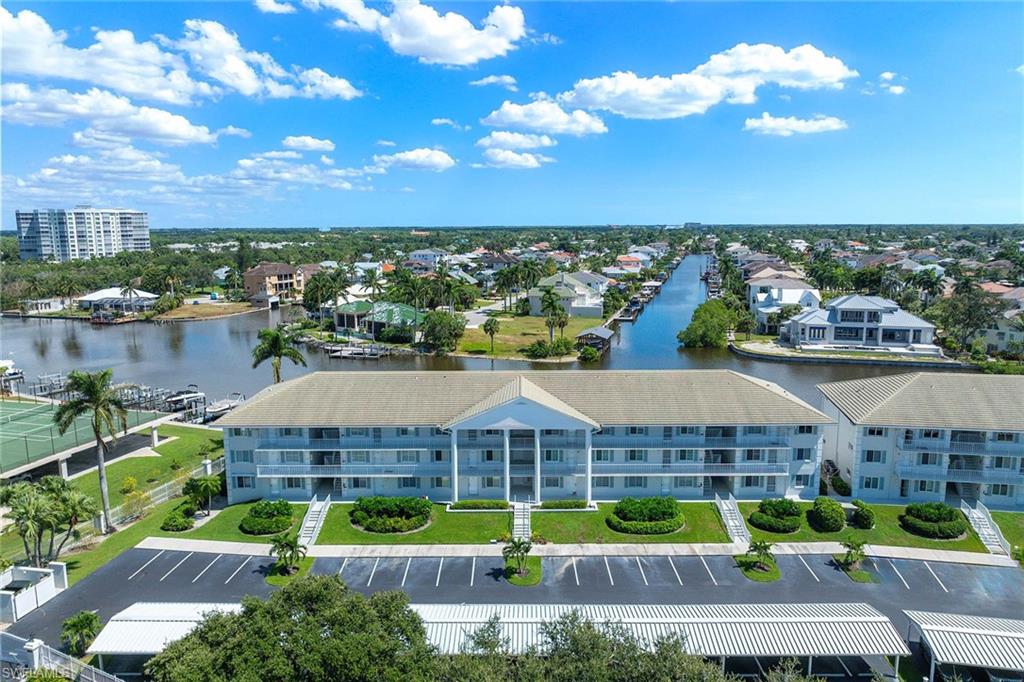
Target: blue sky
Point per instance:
(331, 112)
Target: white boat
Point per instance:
(221, 407)
(181, 400)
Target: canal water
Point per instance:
(216, 354)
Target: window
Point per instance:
(874, 431)
(289, 433)
(358, 457)
(1002, 463)
(602, 455)
(356, 432)
(292, 483)
(438, 482)
(438, 456)
(636, 455)
(636, 482)
(686, 455)
(851, 315)
(637, 430)
(359, 482)
(245, 482)
(872, 482)
(241, 456)
(802, 455)
(816, 333)
(685, 482)
(492, 432)
(1004, 437)
(240, 432)
(801, 480)
(931, 433)
(408, 457)
(847, 333)
(406, 431)
(552, 455)
(471, 435)
(751, 455)
(602, 482)
(552, 481)
(874, 316)
(291, 457)
(874, 456)
(896, 335)
(491, 482)
(551, 432)
(928, 458)
(753, 481)
(490, 456)
(688, 430)
(927, 486)
(805, 429)
(1000, 489)
(755, 430)
(408, 482)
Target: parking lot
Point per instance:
(153, 575)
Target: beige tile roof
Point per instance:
(521, 387)
(932, 399)
(606, 397)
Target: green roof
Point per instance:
(394, 314)
(356, 307)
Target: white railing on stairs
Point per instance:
(35, 655)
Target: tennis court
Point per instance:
(28, 434)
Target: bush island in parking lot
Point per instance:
(391, 514)
(646, 516)
(935, 520)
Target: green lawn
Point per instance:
(279, 580)
(533, 572)
(1012, 525)
(451, 528)
(224, 526)
(150, 472)
(517, 333)
(857, 575)
(748, 566)
(887, 531)
(702, 525)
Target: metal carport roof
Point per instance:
(710, 630)
(148, 627)
(972, 640)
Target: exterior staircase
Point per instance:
(735, 526)
(521, 520)
(988, 531)
(314, 520)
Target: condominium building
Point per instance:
(523, 435)
(929, 436)
(82, 232)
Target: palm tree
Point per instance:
(516, 550)
(129, 291)
(274, 344)
(79, 630)
(66, 288)
(202, 490)
(562, 321)
(373, 283)
(492, 327)
(96, 398)
(288, 552)
(761, 550)
(72, 505)
(854, 554)
(233, 280)
(550, 307)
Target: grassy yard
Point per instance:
(224, 526)
(150, 472)
(517, 333)
(887, 531)
(205, 311)
(702, 525)
(1012, 525)
(446, 528)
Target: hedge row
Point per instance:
(258, 525)
(840, 486)
(932, 511)
(933, 520)
(480, 504)
(389, 524)
(827, 515)
(563, 504)
(646, 509)
(392, 514)
(266, 509)
(779, 507)
(661, 527)
(775, 524)
(863, 515)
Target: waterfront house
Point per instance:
(768, 297)
(431, 258)
(1005, 334)
(598, 338)
(856, 322)
(578, 296)
(929, 436)
(629, 263)
(373, 318)
(116, 299)
(527, 435)
(272, 279)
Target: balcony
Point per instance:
(687, 442)
(394, 443)
(688, 469)
(959, 475)
(962, 447)
(359, 470)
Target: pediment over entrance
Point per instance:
(521, 404)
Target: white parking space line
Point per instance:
(641, 567)
(207, 567)
(710, 574)
(176, 566)
(343, 565)
(816, 578)
(609, 569)
(146, 564)
(575, 573)
(240, 567)
(900, 575)
(935, 576)
(372, 571)
(472, 572)
(673, 565)
(440, 565)
(405, 573)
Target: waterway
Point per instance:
(216, 354)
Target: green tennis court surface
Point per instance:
(28, 434)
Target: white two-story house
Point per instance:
(862, 323)
(581, 294)
(929, 436)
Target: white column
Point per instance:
(508, 476)
(536, 466)
(590, 459)
(63, 466)
(455, 466)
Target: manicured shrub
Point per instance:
(258, 525)
(827, 515)
(176, 522)
(646, 509)
(840, 486)
(863, 515)
(391, 514)
(933, 520)
(480, 504)
(563, 504)
(775, 524)
(661, 527)
(267, 509)
(779, 507)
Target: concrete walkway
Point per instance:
(619, 549)
(476, 318)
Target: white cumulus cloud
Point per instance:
(546, 116)
(307, 143)
(731, 76)
(417, 159)
(326, 160)
(417, 30)
(507, 82)
(503, 139)
(505, 158)
(790, 125)
(448, 122)
(274, 7)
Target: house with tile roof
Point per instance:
(868, 323)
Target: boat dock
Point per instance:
(648, 291)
